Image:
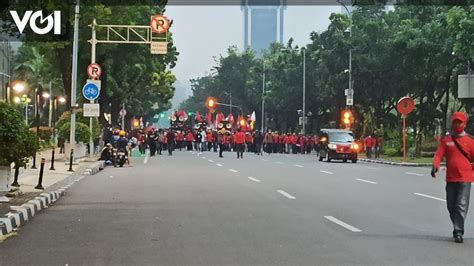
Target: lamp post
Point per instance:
(25, 101)
(304, 90)
(230, 100)
(263, 97)
(45, 95)
(350, 92)
(303, 50)
(53, 124)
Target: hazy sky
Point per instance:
(203, 32)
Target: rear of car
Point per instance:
(337, 144)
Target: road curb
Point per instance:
(394, 163)
(20, 215)
(94, 168)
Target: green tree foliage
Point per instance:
(16, 141)
(412, 50)
(66, 118)
(131, 76)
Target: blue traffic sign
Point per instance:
(90, 91)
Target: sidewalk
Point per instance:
(28, 178)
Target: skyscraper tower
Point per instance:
(263, 23)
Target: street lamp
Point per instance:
(230, 100)
(350, 91)
(303, 49)
(45, 95)
(19, 87)
(263, 96)
(56, 99)
(23, 100)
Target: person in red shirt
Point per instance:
(287, 142)
(180, 139)
(189, 141)
(294, 141)
(368, 146)
(239, 141)
(458, 148)
(209, 139)
(249, 142)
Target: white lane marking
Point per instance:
(286, 194)
(111, 176)
(372, 168)
(279, 162)
(409, 173)
(367, 181)
(220, 165)
(326, 172)
(233, 171)
(253, 179)
(211, 161)
(193, 152)
(145, 161)
(204, 158)
(429, 197)
(343, 224)
(265, 160)
(297, 165)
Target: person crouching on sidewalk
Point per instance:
(458, 148)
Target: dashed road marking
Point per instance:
(145, 161)
(279, 162)
(211, 161)
(204, 158)
(218, 164)
(233, 171)
(297, 165)
(286, 194)
(367, 181)
(253, 179)
(429, 197)
(265, 160)
(326, 172)
(415, 174)
(343, 224)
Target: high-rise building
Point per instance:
(5, 67)
(263, 23)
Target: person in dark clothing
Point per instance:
(152, 143)
(171, 139)
(107, 154)
(258, 140)
(221, 141)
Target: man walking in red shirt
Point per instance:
(239, 141)
(368, 146)
(458, 148)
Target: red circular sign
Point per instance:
(94, 71)
(159, 24)
(405, 105)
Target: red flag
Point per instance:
(230, 118)
(198, 117)
(219, 118)
(209, 118)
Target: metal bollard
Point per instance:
(70, 161)
(15, 182)
(34, 162)
(52, 160)
(39, 186)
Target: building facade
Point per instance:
(5, 67)
(263, 23)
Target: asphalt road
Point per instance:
(198, 209)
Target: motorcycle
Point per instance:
(120, 157)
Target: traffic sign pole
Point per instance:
(93, 55)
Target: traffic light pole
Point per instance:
(231, 105)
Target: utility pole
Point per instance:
(304, 91)
(72, 139)
(263, 98)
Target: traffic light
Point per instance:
(136, 123)
(211, 103)
(190, 113)
(162, 115)
(347, 118)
